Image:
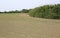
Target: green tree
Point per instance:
(24, 11)
(46, 11)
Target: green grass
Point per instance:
(23, 26)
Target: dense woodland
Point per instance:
(46, 11)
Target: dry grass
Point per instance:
(23, 26)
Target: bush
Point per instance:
(24, 11)
(46, 11)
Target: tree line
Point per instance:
(46, 11)
(17, 11)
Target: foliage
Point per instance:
(24, 11)
(46, 11)
(16, 11)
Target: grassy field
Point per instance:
(24, 26)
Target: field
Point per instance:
(24, 26)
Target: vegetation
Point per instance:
(24, 11)
(16, 11)
(46, 11)
(17, 25)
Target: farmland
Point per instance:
(20, 25)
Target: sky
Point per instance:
(8, 5)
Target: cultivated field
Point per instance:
(24, 26)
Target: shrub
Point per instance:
(46, 11)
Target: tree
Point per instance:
(24, 11)
(46, 11)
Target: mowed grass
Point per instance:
(23, 26)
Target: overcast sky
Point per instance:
(6, 5)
